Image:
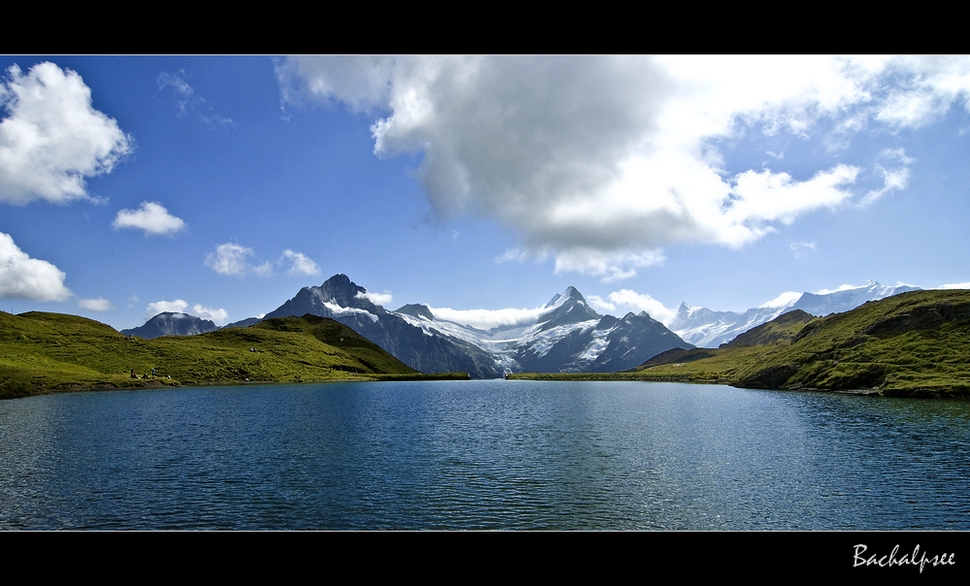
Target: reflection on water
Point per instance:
(483, 455)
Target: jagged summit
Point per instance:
(570, 293)
(337, 295)
(416, 310)
(570, 307)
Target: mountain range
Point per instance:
(709, 329)
(568, 336)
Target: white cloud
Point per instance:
(783, 299)
(236, 260)
(177, 306)
(52, 138)
(642, 302)
(602, 161)
(485, 319)
(217, 316)
(233, 260)
(99, 304)
(597, 302)
(152, 217)
(377, 298)
(893, 178)
(843, 287)
(229, 259)
(186, 99)
(300, 264)
(956, 286)
(360, 82)
(800, 248)
(606, 265)
(22, 277)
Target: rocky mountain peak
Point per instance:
(416, 310)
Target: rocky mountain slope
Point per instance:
(569, 336)
(172, 324)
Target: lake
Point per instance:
(483, 455)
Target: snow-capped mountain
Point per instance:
(709, 329)
(568, 336)
(341, 299)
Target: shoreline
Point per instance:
(159, 383)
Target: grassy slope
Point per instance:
(47, 352)
(914, 344)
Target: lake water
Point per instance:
(483, 455)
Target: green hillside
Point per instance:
(912, 344)
(47, 352)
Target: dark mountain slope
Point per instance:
(172, 324)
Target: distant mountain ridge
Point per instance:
(567, 336)
(171, 323)
(341, 299)
(709, 329)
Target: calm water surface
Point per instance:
(483, 455)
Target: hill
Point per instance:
(911, 344)
(48, 352)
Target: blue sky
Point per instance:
(220, 186)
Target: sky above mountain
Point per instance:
(477, 185)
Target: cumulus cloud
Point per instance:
(377, 298)
(99, 304)
(236, 260)
(233, 259)
(22, 277)
(218, 316)
(642, 302)
(300, 264)
(603, 161)
(52, 137)
(600, 304)
(152, 217)
(177, 306)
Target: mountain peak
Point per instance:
(416, 310)
(573, 293)
(172, 323)
(568, 307)
(560, 298)
(339, 280)
(344, 292)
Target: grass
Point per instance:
(48, 352)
